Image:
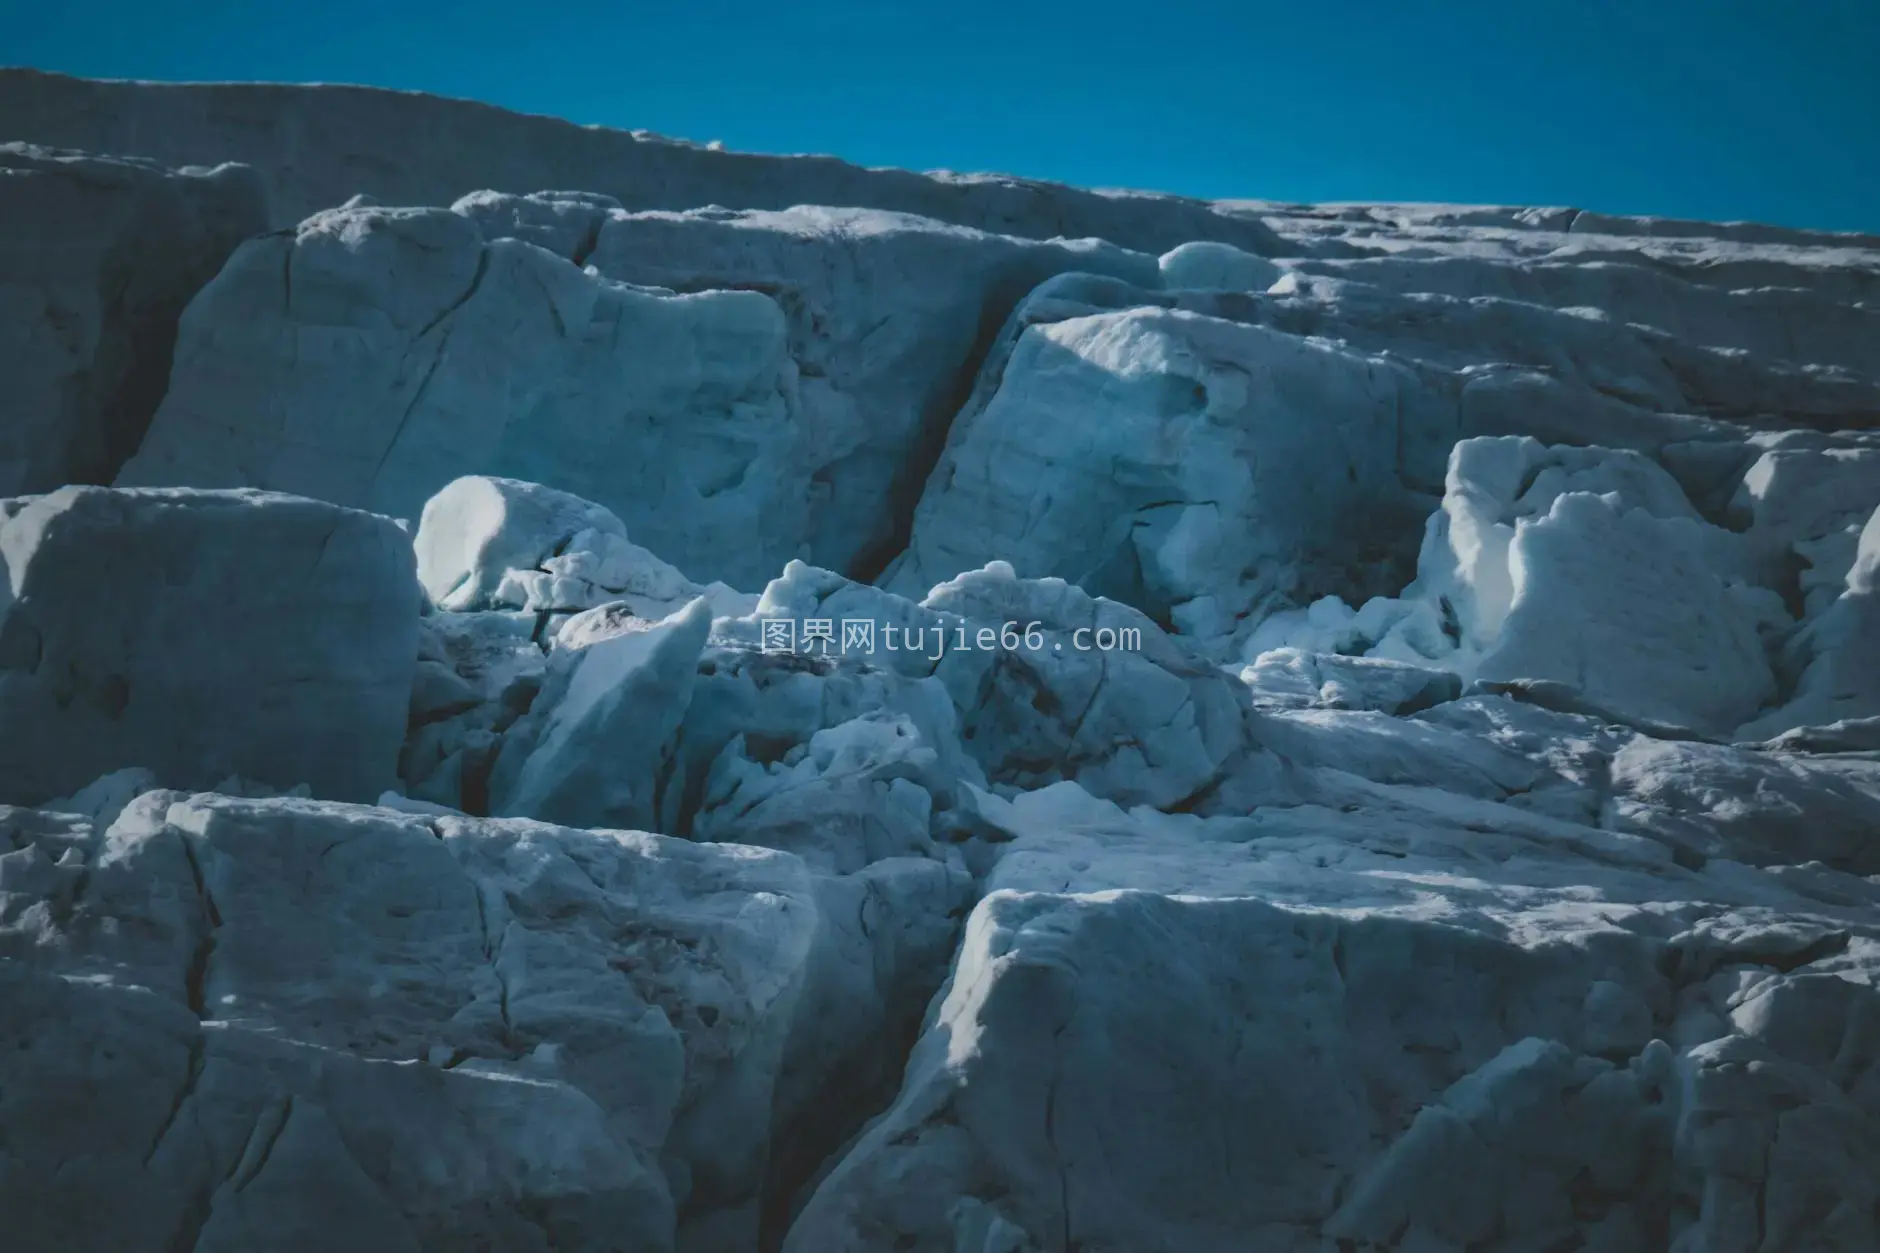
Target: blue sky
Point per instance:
(1759, 109)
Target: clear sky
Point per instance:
(1759, 109)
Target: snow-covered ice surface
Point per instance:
(1341, 728)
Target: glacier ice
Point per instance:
(1187, 465)
(1840, 676)
(1308, 727)
(486, 543)
(100, 256)
(706, 367)
(1582, 576)
(202, 635)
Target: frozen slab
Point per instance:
(593, 749)
(1186, 465)
(421, 1031)
(1625, 610)
(98, 258)
(887, 314)
(452, 356)
(1761, 808)
(1411, 752)
(1419, 1111)
(202, 635)
(1394, 1028)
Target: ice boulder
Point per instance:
(1581, 576)
(1210, 266)
(596, 747)
(477, 530)
(1187, 465)
(203, 635)
(1625, 612)
(1048, 681)
(492, 543)
(98, 259)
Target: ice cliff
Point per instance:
(566, 690)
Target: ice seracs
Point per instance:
(1364, 715)
(708, 377)
(1048, 681)
(1582, 576)
(1624, 610)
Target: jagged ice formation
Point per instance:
(1344, 728)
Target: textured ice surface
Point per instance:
(1839, 651)
(1580, 575)
(739, 389)
(99, 256)
(203, 635)
(384, 1030)
(1325, 728)
(1175, 1032)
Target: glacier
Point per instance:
(562, 689)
